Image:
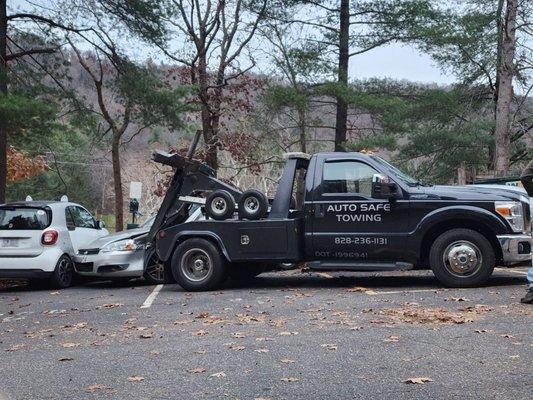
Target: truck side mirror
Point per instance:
(383, 188)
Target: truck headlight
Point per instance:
(123, 245)
(513, 212)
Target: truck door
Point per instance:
(347, 222)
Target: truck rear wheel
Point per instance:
(253, 204)
(462, 258)
(197, 265)
(220, 205)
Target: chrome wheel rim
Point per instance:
(196, 265)
(251, 205)
(462, 258)
(156, 269)
(64, 271)
(219, 205)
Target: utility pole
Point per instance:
(3, 93)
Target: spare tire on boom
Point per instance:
(220, 205)
(253, 204)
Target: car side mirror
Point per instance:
(100, 224)
(383, 188)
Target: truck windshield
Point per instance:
(23, 218)
(396, 172)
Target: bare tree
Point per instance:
(218, 32)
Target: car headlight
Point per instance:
(123, 245)
(513, 212)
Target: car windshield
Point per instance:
(148, 223)
(396, 172)
(23, 218)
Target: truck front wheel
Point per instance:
(197, 265)
(462, 258)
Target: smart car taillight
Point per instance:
(49, 237)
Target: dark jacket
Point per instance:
(527, 178)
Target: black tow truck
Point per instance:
(357, 213)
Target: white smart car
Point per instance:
(39, 238)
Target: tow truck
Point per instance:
(357, 213)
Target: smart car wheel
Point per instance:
(462, 258)
(220, 204)
(156, 272)
(63, 273)
(253, 204)
(198, 265)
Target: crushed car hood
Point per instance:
(114, 237)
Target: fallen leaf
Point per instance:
(155, 352)
(290, 379)
(261, 350)
(201, 332)
(288, 333)
(238, 335)
(94, 388)
(287, 361)
(392, 339)
(418, 381)
(65, 359)
(201, 315)
(16, 347)
(146, 335)
(220, 374)
(329, 346)
(69, 345)
(196, 370)
(135, 378)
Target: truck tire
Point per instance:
(253, 204)
(220, 205)
(63, 274)
(462, 258)
(244, 271)
(198, 265)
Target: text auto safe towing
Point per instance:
(358, 213)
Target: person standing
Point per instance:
(527, 181)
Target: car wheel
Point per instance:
(63, 273)
(244, 272)
(156, 272)
(197, 265)
(253, 204)
(462, 258)
(220, 205)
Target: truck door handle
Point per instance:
(319, 210)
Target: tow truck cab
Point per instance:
(358, 213)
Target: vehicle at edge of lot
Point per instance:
(39, 238)
(357, 213)
(126, 255)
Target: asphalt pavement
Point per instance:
(289, 335)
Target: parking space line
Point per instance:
(151, 297)
(374, 293)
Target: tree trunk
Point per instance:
(209, 133)
(117, 181)
(342, 79)
(506, 71)
(3, 92)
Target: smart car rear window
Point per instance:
(23, 218)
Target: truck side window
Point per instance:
(348, 177)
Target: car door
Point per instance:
(81, 226)
(347, 222)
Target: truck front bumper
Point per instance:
(515, 248)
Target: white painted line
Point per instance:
(151, 297)
(374, 293)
